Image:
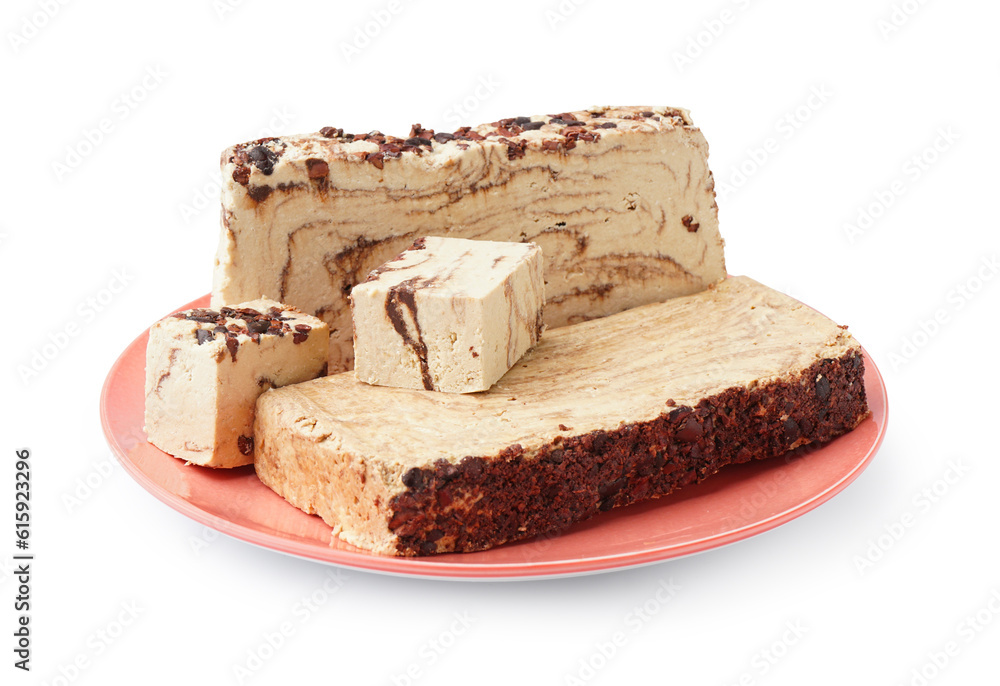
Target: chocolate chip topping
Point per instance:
(230, 322)
(258, 325)
(263, 158)
(573, 131)
(317, 169)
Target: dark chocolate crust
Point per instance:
(572, 479)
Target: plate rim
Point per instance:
(428, 567)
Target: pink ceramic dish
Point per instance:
(737, 503)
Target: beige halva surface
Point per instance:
(317, 447)
(448, 314)
(620, 200)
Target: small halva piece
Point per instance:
(449, 314)
(206, 368)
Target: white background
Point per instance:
(887, 85)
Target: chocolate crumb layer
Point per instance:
(480, 503)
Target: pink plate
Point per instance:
(739, 502)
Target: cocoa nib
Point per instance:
(202, 316)
(263, 159)
(245, 444)
(259, 193)
(416, 140)
(376, 159)
(417, 131)
(330, 132)
(691, 432)
(414, 479)
(317, 168)
(258, 326)
(689, 223)
(514, 150)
